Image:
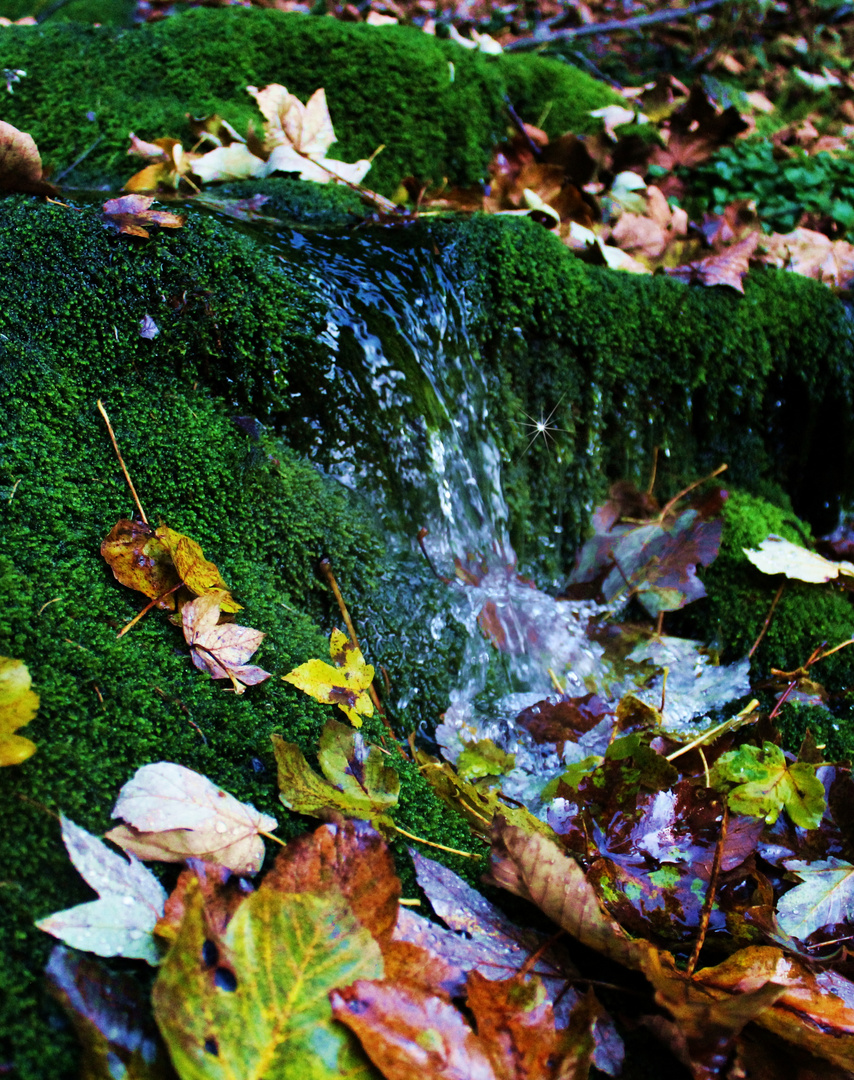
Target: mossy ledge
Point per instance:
(437, 108)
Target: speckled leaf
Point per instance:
(344, 685)
(358, 782)
(131, 901)
(825, 898)
(410, 1033)
(765, 783)
(19, 703)
(112, 1018)
(265, 1013)
(221, 649)
(199, 575)
(174, 812)
(140, 560)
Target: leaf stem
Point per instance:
(270, 836)
(430, 843)
(147, 608)
(103, 413)
(710, 893)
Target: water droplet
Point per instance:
(220, 827)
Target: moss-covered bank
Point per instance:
(437, 108)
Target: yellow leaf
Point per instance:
(18, 706)
(344, 685)
(197, 573)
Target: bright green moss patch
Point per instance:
(437, 108)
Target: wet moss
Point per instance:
(74, 293)
(437, 108)
(621, 364)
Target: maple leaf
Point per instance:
(172, 166)
(131, 900)
(811, 254)
(763, 783)
(778, 556)
(344, 685)
(198, 574)
(221, 649)
(19, 703)
(727, 267)
(825, 898)
(140, 560)
(298, 136)
(132, 213)
(356, 781)
(20, 163)
(255, 1001)
(173, 812)
(234, 162)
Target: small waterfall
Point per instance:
(404, 416)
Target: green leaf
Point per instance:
(357, 783)
(825, 898)
(259, 1010)
(765, 784)
(484, 758)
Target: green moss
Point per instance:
(107, 12)
(437, 108)
(74, 293)
(310, 204)
(623, 364)
(740, 597)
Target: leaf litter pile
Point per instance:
(687, 878)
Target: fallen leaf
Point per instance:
(811, 254)
(173, 812)
(778, 556)
(111, 1016)
(20, 163)
(356, 781)
(198, 573)
(344, 685)
(234, 162)
(131, 899)
(516, 1024)
(408, 1032)
(761, 783)
(222, 893)
(169, 171)
(221, 649)
(825, 897)
(19, 703)
(255, 1002)
(140, 560)
(350, 858)
(726, 268)
(148, 328)
(298, 136)
(132, 214)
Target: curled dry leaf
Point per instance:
(170, 168)
(131, 900)
(132, 214)
(19, 703)
(725, 268)
(140, 560)
(221, 649)
(778, 556)
(20, 163)
(173, 812)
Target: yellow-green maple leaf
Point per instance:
(18, 705)
(345, 684)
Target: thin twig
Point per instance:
(613, 25)
(147, 608)
(767, 622)
(103, 413)
(668, 506)
(271, 837)
(710, 894)
(430, 843)
(80, 157)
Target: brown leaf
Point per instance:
(516, 1024)
(534, 867)
(409, 1033)
(140, 560)
(221, 649)
(811, 254)
(221, 891)
(131, 214)
(20, 163)
(352, 858)
(727, 268)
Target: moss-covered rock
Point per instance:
(437, 108)
(229, 317)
